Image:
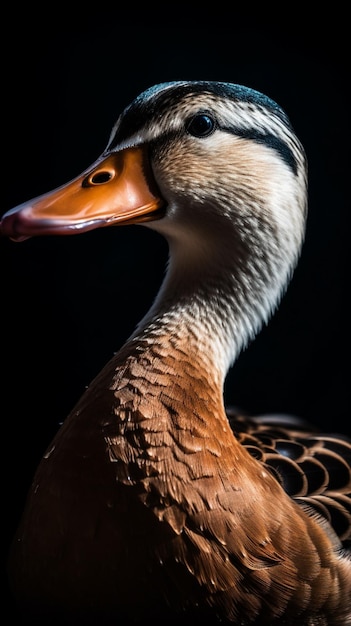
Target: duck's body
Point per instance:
(148, 504)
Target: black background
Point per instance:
(68, 303)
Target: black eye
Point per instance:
(201, 125)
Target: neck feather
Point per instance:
(214, 306)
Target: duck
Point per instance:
(155, 502)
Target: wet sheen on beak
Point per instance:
(117, 189)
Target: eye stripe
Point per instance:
(270, 140)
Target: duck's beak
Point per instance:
(117, 189)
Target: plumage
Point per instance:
(154, 501)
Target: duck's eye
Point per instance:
(201, 125)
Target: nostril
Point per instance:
(101, 177)
(98, 178)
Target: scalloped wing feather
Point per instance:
(313, 468)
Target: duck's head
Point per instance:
(215, 167)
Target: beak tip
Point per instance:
(11, 226)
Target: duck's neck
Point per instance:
(211, 307)
(172, 438)
(168, 381)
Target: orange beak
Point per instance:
(117, 189)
